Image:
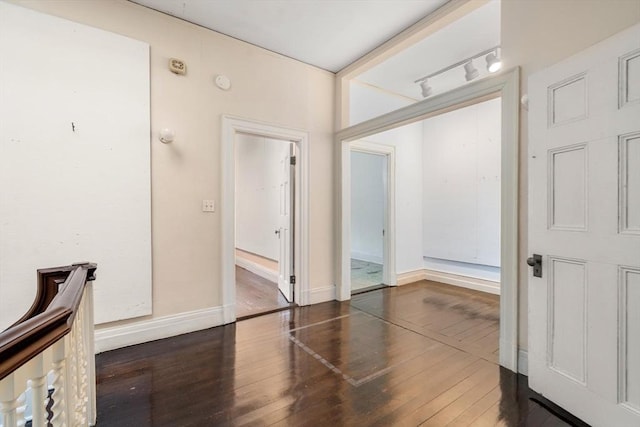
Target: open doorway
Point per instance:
(265, 218)
(372, 216)
(501, 88)
(264, 233)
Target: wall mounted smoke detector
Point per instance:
(223, 82)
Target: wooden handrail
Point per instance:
(49, 318)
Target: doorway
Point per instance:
(264, 182)
(273, 242)
(504, 85)
(372, 216)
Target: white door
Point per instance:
(285, 227)
(584, 220)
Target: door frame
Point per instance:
(389, 239)
(231, 126)
(506, 85)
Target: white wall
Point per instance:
(75, 161)
(407, 141)
(461, 191)
(258, 177)
(267, 87)
(367, 102)
(367, 206)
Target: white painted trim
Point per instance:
(523, 362)
(410, 277)
(257, 269)
(230, 127)
(482, 285)
(507, 86)
(324, 294)
(154, 329)
(389, 241)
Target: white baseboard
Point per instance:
(161, 327)
(318, 295)
(361, 256)
(482, 285)
(410, 277)
(257, 269)
(523, 362)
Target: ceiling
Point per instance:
(329, 34)
(473, 33)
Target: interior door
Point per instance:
(584, 221)
(285, 230)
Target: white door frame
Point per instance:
(505, 84)
(389, 240)
(230, 127)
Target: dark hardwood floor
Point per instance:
(255, 295)
(421, 354)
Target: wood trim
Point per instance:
(49, 279)
(40, 329)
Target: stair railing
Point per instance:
(47, 361)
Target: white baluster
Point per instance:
(60, 408)
(8, 402)
(91, 356)
(20, 410)
(72, 358)
(81, 403)
(38, 383)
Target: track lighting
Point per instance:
(493, 62)
(471, 72)
(426, 89)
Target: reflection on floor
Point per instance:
(420, 354)
(256, 295)
(365, 274)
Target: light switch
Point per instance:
(208, 206)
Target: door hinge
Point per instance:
(293, 160)
(292, 280)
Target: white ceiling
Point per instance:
(477, 31)
(329, 34)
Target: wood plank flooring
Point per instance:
(421, 354)
(255, 295)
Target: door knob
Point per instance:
(536, 262)
(278, 232)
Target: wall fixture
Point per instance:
(177, 66)
(167, 136)
(223, 82)
(471, 72)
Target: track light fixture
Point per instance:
(426, 89)
(493, 62)
(470, 71)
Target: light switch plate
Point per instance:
(208, 206)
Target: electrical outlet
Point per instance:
(208, 206)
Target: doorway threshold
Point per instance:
(368, 289)
(262, 313)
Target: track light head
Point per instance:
(471, 72)
(493, 62)
(426, 89)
